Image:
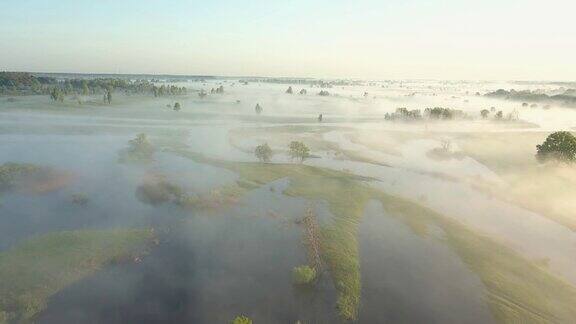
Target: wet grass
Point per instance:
(37, 268)
(346, 195)
(518, 290)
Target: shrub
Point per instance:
(242, 320)
(80, 199)
(139, 150)
(303, 275)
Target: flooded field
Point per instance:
(137, 211)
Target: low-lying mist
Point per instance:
(223, 199)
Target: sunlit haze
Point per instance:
(438, 39)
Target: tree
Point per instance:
(258, 108)
(177, 106)
(263, 152)
(289, 91)
(560, 146)
(303, 92)
(298, 150)
(484, 113)
(499, 115)
(85, 90)
(108, 96)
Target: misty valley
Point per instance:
(198, 199)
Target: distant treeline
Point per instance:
(305, 81)
(23, 83)
(568, 98)
(437, 113)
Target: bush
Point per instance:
(139, 150)
(560, 146)
(303, 275)
(80, 199)
(11, 173)
(242, 320)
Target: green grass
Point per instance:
(346, 195)
(518, 290)
(37, 268)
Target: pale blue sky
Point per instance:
(442, 39)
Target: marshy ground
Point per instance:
(420, 221)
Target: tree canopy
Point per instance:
(263, 152)
(560, 146)
(298, 150)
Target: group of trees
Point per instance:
(301, 92)
(558, 146)
(219, 90)
(485, 113)
(566, 97)
(296, 150)
(437, 113)
(57, 95)
(23, 83)
(164, 90)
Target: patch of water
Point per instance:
(411, 279)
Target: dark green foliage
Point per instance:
(484, 113)
(298, 150)
(559, 146)
(177, 106)
(290, 91)
(263, 152)
(323, 93)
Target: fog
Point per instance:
(417, 220)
